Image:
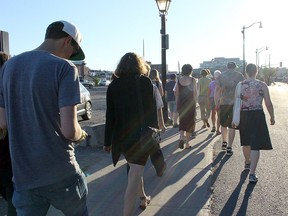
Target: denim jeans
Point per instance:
(6, 187)
(68, 195)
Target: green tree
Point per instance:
(268, 74)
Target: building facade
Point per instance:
(220, 63)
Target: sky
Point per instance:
(198, 30)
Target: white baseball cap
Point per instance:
(217, 73)
(71, 30)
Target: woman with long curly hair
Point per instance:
(126, 124)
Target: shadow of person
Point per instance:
(217, 165)
(247, 195)
(230, 205)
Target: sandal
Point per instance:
(224, 145)
(144, 202)
(181, 144)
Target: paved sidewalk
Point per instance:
(184, 189)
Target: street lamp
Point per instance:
(163, 6)
(243, 32)
(258, 52)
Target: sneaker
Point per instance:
(175, 125)
(229, 151)
(169, 122)
(213, 130)
(247, 166)
(187, 146)
(253, 178)
(224, 145)
(181, 144)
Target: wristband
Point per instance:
(83, 137)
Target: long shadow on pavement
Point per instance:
(191, 182)
(248, 193)
(230, 205)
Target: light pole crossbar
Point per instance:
(243, 32)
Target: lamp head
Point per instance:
(163, 5)
(260, 26)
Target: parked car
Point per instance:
(84, 109)
(87, 83)
(104, 82)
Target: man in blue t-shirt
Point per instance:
(171, 101)
(39, 93)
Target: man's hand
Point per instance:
(234, 125)
(82, 138)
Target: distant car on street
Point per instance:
(87, 83)
(84, 109)
(104, 82)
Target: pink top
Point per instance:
(252, 93)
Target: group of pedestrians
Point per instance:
(38, 136)
(220, 100)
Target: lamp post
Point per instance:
(163, 6)
(258, 52)
(243, 32)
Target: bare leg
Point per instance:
(187, 139)
(218, 121)
(224, 132)
(231, 136)
(141, 189)
(213, 118)
(204, 123)
(135, 184)
(208, 110)
(175, 118)
(181, 135)
(246, 153)
(202, 111)
(255, 154)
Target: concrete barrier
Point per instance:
(96, 135)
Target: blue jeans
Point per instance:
(6, 187)
(68, 195)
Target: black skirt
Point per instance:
(254, 131)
